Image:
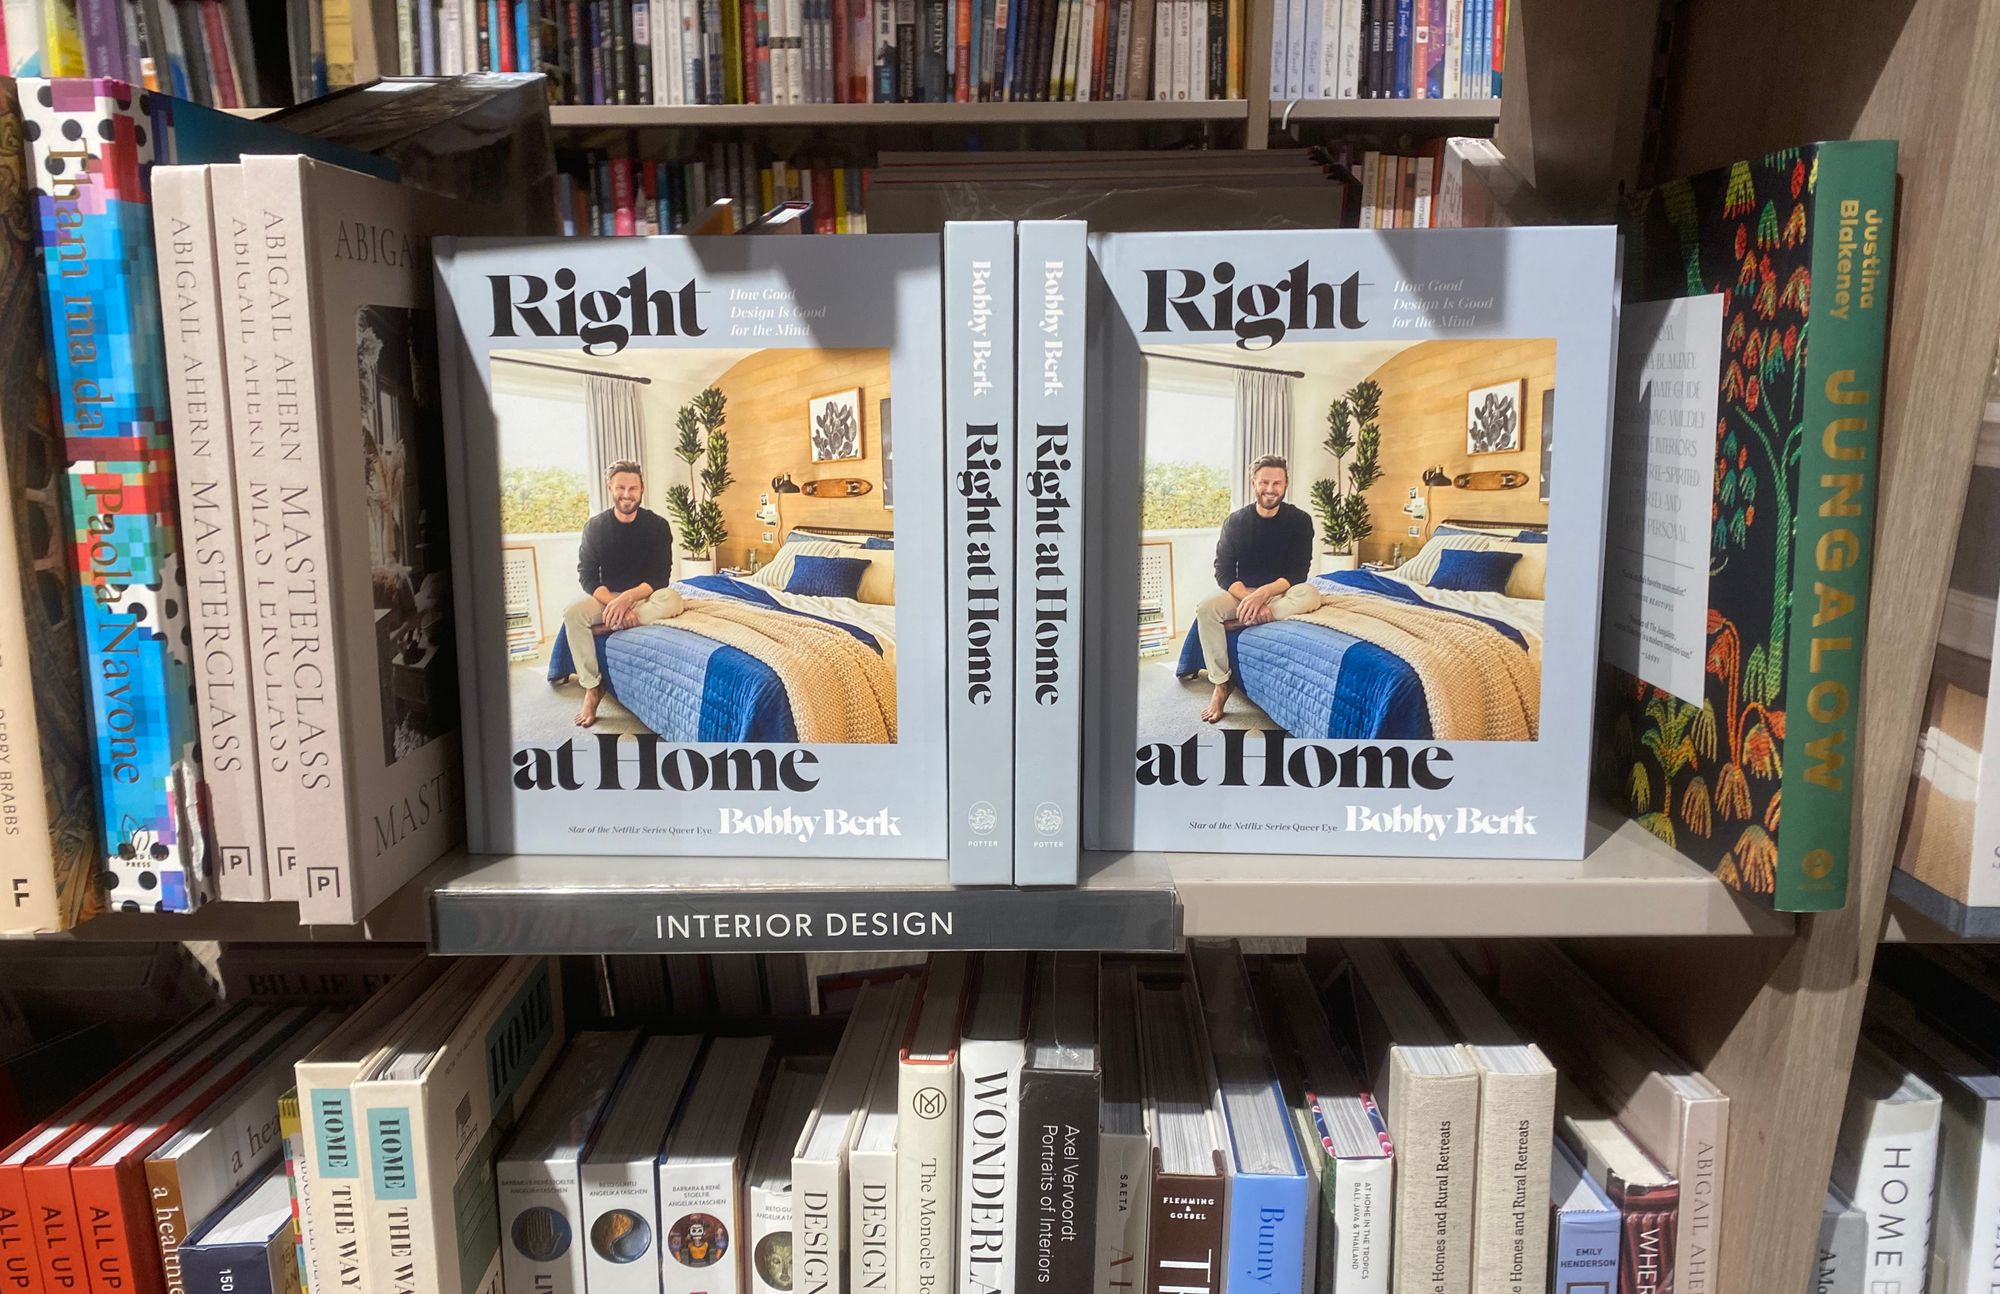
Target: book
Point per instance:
(50, 869)
(190, 255)
(1646, 1195)
(1700, 756)
(1885, 1159)
(1428, 1090)
(433, 1113)
(795, 1087)
(810, 716)
(927, 1078)
(979, 573)
(1583, 1228)
(248, 1247)
(701, 1170)
(1050, 453)
(1205, 329)
(108, 373)
(1843, 1245)
(1189, 1202)
(298, 1174)
(1055, 1209)
(820, 1159)
(621, 1192)
(1125, 1152)
(874, 1213)
(538, 1179)
(990, 1057)
(1270, 1205)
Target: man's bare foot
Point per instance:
(592, 698)
(1215, 704)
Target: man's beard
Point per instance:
(625, 509)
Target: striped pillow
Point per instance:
(1420, 569)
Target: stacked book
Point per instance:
(1435, 188)
(605, 195)
(1388, 49)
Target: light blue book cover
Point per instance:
(1583, 1230)
(1268, 1210)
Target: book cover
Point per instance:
(1049, 622)
(1583, 1229)
(621, 1192)
(1189, 1203)
(927, 1076)
(1739, 681)
(981, 504)
(1838, 1262)
(246, 1248)
(1324, 452)
(1061, 1093)
(822, 1216)
(991, 1057)
(715, 586)
(51, 863)
(701, 1171)
(794, 1088)
(1886, 1158)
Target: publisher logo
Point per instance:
(1048, 818)
(982, 818)
(928, 1103)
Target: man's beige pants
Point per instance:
(586, 613)
(1208, 617)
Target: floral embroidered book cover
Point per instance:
(1756, 298)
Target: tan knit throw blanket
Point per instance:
(840, 690)
(1479, 685)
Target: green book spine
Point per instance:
(1853, 214)
(732, 54)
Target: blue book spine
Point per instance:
(226, 1269)
(1405, 47)
(1583, 1257)
(521, 40)
(1266, 1248)
(426, 41)
(493, 34)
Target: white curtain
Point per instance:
(1263, 423)
(613, 429)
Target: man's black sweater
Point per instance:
(625, 554)
(1257, 550)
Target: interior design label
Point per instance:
(1662, 491)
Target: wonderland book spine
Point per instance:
(1050, 442)
(981, 503)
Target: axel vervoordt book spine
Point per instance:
(1185, 1235)
(48, 849)
(989, 1121)
(198, 378)
(981, 505)
(1050, 450)
(1056, 1209)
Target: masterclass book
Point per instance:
(686, 511)
(1350, 487)
(1757, 298)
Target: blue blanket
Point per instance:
(685, 687)
(1321, 684)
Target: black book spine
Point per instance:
(936, 83)
(642, 60)
(621, 51)
(1218, 49)
(1045, 57)
(907, 60)
(1056, 1221)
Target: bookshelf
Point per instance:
(867, 115)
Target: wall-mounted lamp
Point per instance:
(784, 484)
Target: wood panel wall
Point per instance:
(1423, 425)
(768, 436)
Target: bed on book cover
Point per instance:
(1389, 658)
(753, 676)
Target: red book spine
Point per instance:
(18, 1268)
(507, 63)
(861, 51)
(822, 200)
(53, 1206)
(838, 53)
(753, 91)
(962, 56)
(1107, 14)
(121, 1252)
(1499, 43)
(648, 204)
(216, 37)
(621, 196)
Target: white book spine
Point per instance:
(1124, 1195)
(621, 1206)
(1371, 166)
(1454, 48)
(330, 1220)
(1163, 49)
(770, 1230)
(451, 38)
(1422, 212)
(989, 1154)
(542, 1233)
(1350, 49)
(1359, 1195)
(1296, 44)
(1332, 31)
(1516, 1127)
(1197, 49)
(1983, 884)
(872, 1223)
(1966, 1248)
(1698, 1164)
(927, 1175)
(1434, 1125)
(1890, 1171)
(819, 1232)
(1281, 29)
(795, 53)
(701, 1223)
(1183, 47)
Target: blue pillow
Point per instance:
(1532, 537)
(878, 541)
(1471, 570)
(828, 577)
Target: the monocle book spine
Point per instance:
(1048, 579)
(980, 513)
(198, 380)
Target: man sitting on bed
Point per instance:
(625, 564)
(1262, 563)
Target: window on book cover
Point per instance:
(669, 606)
(1288, 609)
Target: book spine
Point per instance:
(1184, 1237)
(169, 1220)
(1516, 1129)
(298, 1178)
(621, 1204)
(330, 1219)
(1584, 1252)
(1056, 1208)
(1050, 450)
(1853, 229)
(198, 380)
(100, 280)
(231, 1269)
(1139, 51)
(1434, 1127)
(120, 1249)
(1353, 24)
(104, 51)
(769, 1226)
(20, 1264)
(58, 1237)
(980, 508)
(1646, 1221)
(1455, 47)
(989, 1163)
(1124, 1187)
(1217, 63)
(1421, 203)
(1698, 1164)
(1265, 1241)
(926, 1174)
(642, 53)
(872, 1223)
(819, 1207)
(1355, 1247)
(711, 51)
(695, 1195)
(885, 59)
(541, 1225)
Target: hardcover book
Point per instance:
(1368, 539)
(927, 1140)
(989, 1124)
(1886, 1160)
(679, 492)
(1646, 1195)
(1843, 1246)
(701, 1171)
(1756, 304)
(794, 1089)
(621, 1189)
(1583, 1228)
(1055, 1219)
(246, 1248)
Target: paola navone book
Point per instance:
(697, 509)
(1350, 485)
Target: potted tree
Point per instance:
(695, 508)
(1341, 503)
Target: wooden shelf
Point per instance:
(1386, 111)
(644, 116)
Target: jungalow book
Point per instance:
(1736, 591)
(1347, 536)
(693, 483)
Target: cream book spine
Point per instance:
(989, 1167)
(769, 1225)
(927, 1173)
(1510, 1234)
(693, 1199)
(819, 1210)
(1434, 1125)
(190, 260)
(1124, 1187)
(873, 1218)
(620, 1197)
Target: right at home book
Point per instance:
(1350, 487)
(1736, 574)
(695, 483)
